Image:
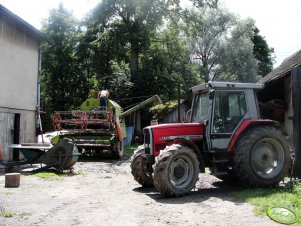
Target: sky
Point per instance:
(277, 20)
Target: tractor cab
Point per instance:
(223, 107)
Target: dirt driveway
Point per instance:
(104, 193)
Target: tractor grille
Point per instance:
(147, 141)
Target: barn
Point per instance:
(19, 86)
(281, 98)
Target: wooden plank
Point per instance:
(296, 94)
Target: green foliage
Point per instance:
(49, 175)
(116, 32)
(221, 44)
(64, 86)
(165, 64)
(161, 110)
(238, 63)
(122, 38)
(142, 48)
(125, 28)
(8, 214)
(130, 149)
(263, 53)
(264, 198)
(204, 3)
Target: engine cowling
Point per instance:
(157, 137)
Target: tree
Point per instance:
(165, 64)
(238, 63)
(221, 44)
(63, 85)
(205, 3)
(128, 26)
(263, 53)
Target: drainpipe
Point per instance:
(39, 78)
(38, 118)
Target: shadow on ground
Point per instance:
(217, 189)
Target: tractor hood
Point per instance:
(159, 136)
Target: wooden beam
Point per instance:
(296, 95)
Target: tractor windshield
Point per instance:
(200, 107)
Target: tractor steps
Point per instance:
(220, 161)
(219, 173)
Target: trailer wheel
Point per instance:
(139, 168)
(117, 151)
(176, 171)
(262, 157)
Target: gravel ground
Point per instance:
(105, 193)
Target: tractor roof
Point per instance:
(225, 85)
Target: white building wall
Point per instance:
(18, 67)
(19, 62)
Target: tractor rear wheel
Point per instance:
(176, 171)
(139, 168)
(262, 157)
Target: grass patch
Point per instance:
(8, 193)
(264, 198)
(8, 214)
(130, 149)
(11, 214)
(49, 175)
(24, 215)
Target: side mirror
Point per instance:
(211, 94)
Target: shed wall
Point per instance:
(19, 65)
(19, 58)
(172, 117)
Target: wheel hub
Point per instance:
(267, 158)
(179, 171)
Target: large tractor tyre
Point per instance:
(117, 151)
(139, 168)
(262, 157)
(176, 171)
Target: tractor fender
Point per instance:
(196, 150)
(245, 126)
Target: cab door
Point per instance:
(229, 108)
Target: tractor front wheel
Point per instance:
(176, 171)
(139, 168)
(262, 157)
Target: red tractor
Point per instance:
(225, 133)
